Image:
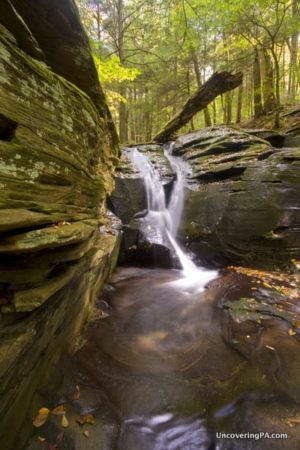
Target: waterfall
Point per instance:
(166, 218)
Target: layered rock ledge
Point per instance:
(58, 149)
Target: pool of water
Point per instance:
(176, 367)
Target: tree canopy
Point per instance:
(152, 55)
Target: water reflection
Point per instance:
(165, 432)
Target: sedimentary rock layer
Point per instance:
(57, 155)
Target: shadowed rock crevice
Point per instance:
(265, 155)
(234, 173)
(7, 128)
(18, 29)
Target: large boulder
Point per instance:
(57, 244)
(242, 199)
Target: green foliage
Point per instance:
(112, 70)
(112, 74)
(152, 53)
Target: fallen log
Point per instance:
(217, 84)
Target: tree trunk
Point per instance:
(216, 85)
(268, 85)
(98, 20)
(223, 106)
(207, 118)
(277, 88)
(258, 108)
(228, 108)
(123, 128)
(293, 60)
(147, 116)
(239, 105)
(188, 82)
(214, 112)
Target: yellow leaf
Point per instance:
(41, 417)
(64, 422)
(86, 419)
(86, 434)
(292, 332)
(59, 410)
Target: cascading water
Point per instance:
(166, 218)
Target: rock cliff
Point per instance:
(58, 151)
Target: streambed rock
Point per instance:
(57, 244)
(261, 322)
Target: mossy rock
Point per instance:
(58, 150)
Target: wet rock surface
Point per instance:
(183, 366)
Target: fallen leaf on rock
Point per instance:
(60, 224)
(60, 438)
(296, 263)
(86, 434)
(270, 347)
(86, 419)
(41, 417)
(292, 421)
(64, 422)
(59, 410)
(292, 332)
(76, 395)
(41, 439)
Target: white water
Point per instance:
(167, 218)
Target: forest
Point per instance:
(152, 55)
